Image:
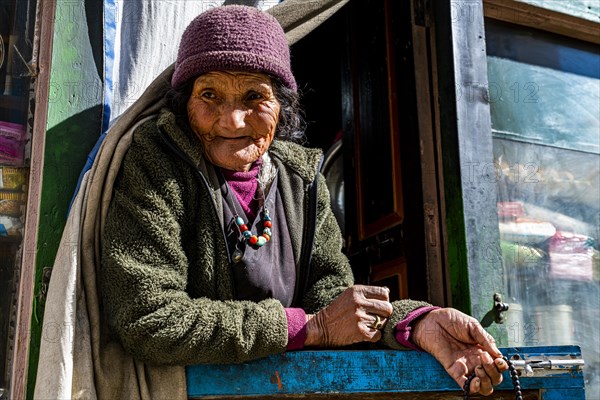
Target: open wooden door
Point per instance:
(384, 201)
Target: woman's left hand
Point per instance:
(349, 318)
(462, 346)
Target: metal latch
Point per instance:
(496, 314)
(545, 365)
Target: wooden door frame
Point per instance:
(423, 34)
(43, 36)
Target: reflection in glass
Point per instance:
(545, 110)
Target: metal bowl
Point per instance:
(333, 170)
(1, 51)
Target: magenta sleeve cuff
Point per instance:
(296, 321)
(404, 330)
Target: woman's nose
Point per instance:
(233, 118)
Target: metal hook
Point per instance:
(496, 314)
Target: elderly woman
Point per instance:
(220, 245)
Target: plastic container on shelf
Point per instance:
(12, 143)
(11, 208)
(10, 226)
(515, 325)
(554, 325)
(571, 256)
(520, 256)
(524, 230)
(11, 151)
(13, 131)
(12, 178)
(12, 204)
(510, 209)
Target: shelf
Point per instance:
(10, 239)
(13, 102)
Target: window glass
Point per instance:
(545, 110)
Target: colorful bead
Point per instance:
(256, 240)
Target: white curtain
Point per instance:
(146, 37)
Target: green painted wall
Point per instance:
(74, 121)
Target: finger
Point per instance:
(366, 319)
(475, 385)
(376, 292)
(380, 307)
(458, 371)
(490, 369)
(370, 319)
(501, 365)
(484, 339)
(485, 387)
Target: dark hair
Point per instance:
(291, 123)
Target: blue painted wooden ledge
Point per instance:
(365, 371)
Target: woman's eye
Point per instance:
(253, 96)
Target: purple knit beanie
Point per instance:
(233, 38)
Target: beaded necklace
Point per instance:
(250, 238)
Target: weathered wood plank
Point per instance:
(562, 394)
(586, 9)
(456, 395)
(548, 16)
(365, 372)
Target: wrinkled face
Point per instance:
(235, 115)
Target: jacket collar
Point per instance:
(180, 133)
(304, 161)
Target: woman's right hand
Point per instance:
(350, 318)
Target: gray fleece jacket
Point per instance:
(165, 280)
